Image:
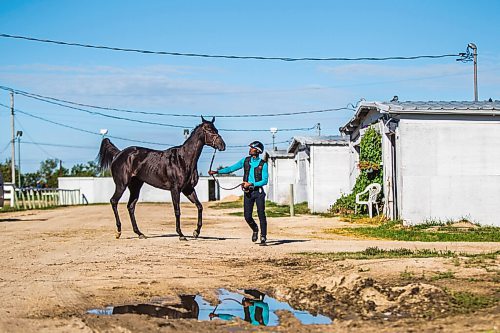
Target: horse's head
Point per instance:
(211, 134)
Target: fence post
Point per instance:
(292, 201)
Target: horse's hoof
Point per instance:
(118, 234)
(183, 238)
(142, 236)
(196, 233)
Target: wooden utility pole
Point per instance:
(292, 201)
(13, 150)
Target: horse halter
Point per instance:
(214, 136)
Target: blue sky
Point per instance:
(206, 86)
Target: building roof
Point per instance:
(442, 105)
(279, 153)
(330, 140)
(480, 108)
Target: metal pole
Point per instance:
(13, 150)
(19, 159)
(318, 126)
(474, 48)
(475, 74)
(292, 201)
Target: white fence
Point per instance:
(32, 198)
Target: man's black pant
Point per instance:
(257, 196)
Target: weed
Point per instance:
(377, 253)
(466, 302)
(443, 275)
(275, 210)
(397, 231)
(407, 275)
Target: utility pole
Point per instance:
(318, 127)
(13, 150)
(19, 134)
(474, 48)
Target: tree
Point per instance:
(50, 169)
(91, 169)
(5, 169)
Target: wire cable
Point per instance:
(29, 136)
(47, 99)
(83, 130)
(109, 136)
(289, 59)
(58, 145)
(6, 146)
(162, 124)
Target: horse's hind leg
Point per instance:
(176, 198)
(134, 188)
(191, 195)
(114, 204)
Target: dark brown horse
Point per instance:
(174, 169)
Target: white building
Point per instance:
(100, 189)
(281, 168)
(321, 170)
(441, 160)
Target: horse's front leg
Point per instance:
(176, 198)
(191, 195)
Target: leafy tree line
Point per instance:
(49, 171)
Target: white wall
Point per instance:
(449, 168)
(329, 175)
(281, 175)
(100, 190)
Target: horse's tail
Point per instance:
(107, 153)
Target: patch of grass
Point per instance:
(229, 204)
(275, 210)
(407, 275)
(443, 275)
(443, 233)
(466, 302)
(377, 253)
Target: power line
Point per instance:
(6, 146)
(58, 145)
(161, 124)
(109, 136)
(29, 136)
(47, 98)
(83, 130)
(230, 56)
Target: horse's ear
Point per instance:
(213, 120)
(203, 119)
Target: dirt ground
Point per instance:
(57, 264)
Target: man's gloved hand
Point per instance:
(212, 172)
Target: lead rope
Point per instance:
(216, 180)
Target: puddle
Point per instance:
(249, 305)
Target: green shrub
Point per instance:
(370, 157)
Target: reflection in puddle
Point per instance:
(250, 305)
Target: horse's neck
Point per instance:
(192, 148)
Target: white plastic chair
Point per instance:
(373, 191)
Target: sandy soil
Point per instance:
(57, 264)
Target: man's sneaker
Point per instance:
(255, 234)
(263, 240)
